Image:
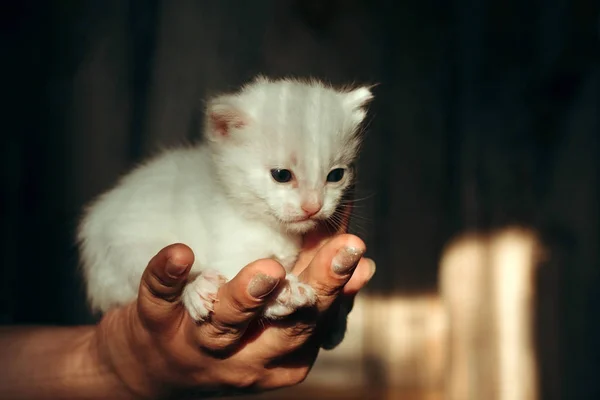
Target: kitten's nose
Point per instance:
(311, 207)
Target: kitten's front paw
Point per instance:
(199, 295)
(292, 295)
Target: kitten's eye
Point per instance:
(281, 175)
(335, 175)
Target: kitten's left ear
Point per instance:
(223, 117)
(356, 100)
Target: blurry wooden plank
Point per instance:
(392, 341)
(405, 339)
(394, 349)
(487, 285)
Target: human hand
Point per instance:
(157, 350)
(333, 325)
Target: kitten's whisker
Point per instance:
(337, 220)
(354, 216)
(359, 199)
(354, 206)
(360, 217)
(360, 230)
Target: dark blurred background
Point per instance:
(486, 115)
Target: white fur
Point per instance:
(219, 197)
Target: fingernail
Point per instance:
(373, 268)
(262, 285)
(346, 260)
(174, 269)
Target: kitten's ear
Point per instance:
(355, 101)
(223, 117)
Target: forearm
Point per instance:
(55, 363)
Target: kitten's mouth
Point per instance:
(301, 219)
(298, 220)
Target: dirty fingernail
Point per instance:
(174, 269)
(262, 285)
(346, 260)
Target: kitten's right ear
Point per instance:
(355, 101)
(223, 117)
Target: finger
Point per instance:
(362, 275)
(332, 326)
(328, 272)
(332, 268)
(239, 302)
(336, 317)
(161, 286)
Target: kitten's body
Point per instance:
(173, 199)
(221, 198)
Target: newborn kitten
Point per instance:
(277, 158)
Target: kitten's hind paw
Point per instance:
(292, 295)
(199, 295)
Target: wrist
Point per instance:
(112, 349)
(121, 348)
(93, 357)
(51, 363)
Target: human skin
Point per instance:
(152, 349)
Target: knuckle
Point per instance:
(234, 307)
(157, 286)
(241, 379)
(296, 335)
(239, 307)
(304, 329)
(154, 289)
(155, 278)
(219, 341)
(328, 289)
(218, 350)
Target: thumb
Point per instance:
(162, 283)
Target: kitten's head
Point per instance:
(285, 149)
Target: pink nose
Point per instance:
(311, 208)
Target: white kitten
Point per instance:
(277, 157)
